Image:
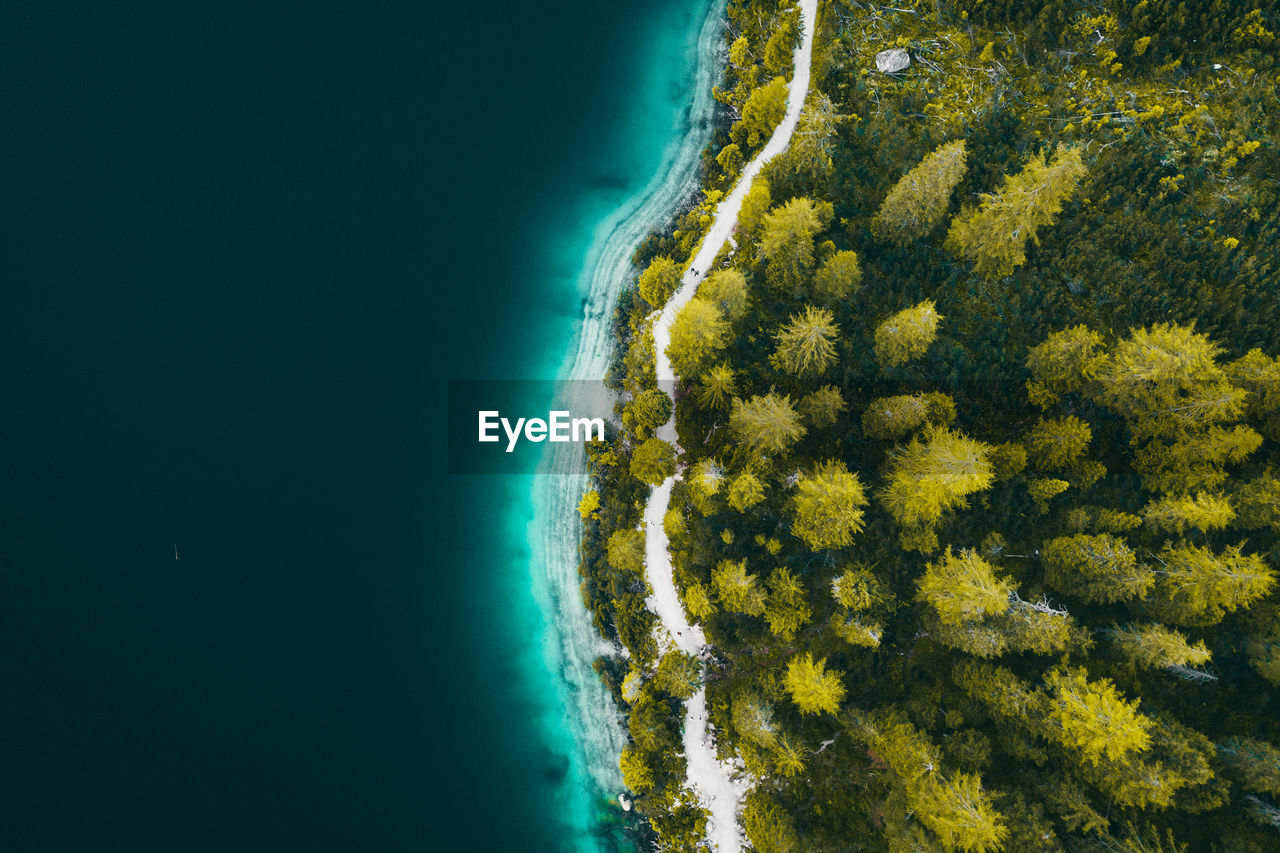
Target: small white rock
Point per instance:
(892, 61)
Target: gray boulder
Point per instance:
(892, 61)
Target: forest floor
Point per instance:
(719, 786)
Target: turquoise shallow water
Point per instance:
(244, 247)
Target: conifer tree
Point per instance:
(934, 474)
(839, 277)
(1055, 444)
(894, 417)
(806, 344)
(918, 201)
(1257, 502)
(1093, 719)
(1096, 567)
(813, 689)
(828, 507)
(738, 590)
(906, 335)
(769, 423)
(961, 814)
(636, 773)
(963, 587)
(658, 281)
(755, 205)
(1157, 647)
(769, 828)
(995, 235)
(1066, 362)
(1258, 374)
(745, 491)
(625, 551)
(787, 607)
(679, 674)
(822, 407)
(762, 112)
(718, 386)
(786, 242)
(698, 333)
(856, 588)
(1165, 380)
(1044, 489)
(727, 290)
(1194, 462)
(1197, 587)
(1204, 512)
(653, 461)
(1254, 764)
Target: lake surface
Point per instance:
(244, 248)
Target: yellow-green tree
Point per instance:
(838, 277)
(895, 417)
(745, 491)
(1064, 363)
(1092, 719)
(813, 689)
(1096, 567)
(786, 241)
(1257, 502)
(960, 813)
(653, 461)
(1166, 380)
(762, 112)
(698, 333)
(934, 474)
(1198, 587)
(1057, 443)
(806, 344)
(755, 205)
(906, 335)
(787, 607)
(1259, 374)
(658, 281)
(828, 507)
(963, 587)
(1155, 646)
(738, 590)
(768, 826)
(727, 290)
(918, 202)
(1203, 512)
(822, 406)
(994, 236)
(769, 423)
(717, 387)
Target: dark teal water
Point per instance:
(242, 248)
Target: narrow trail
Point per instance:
(720, 786)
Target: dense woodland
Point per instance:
(979, 483)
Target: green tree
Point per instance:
(769, 828)
(994, 236)
(1093, 719)
(1204, 512)
(637, 775)
(1098, 568)
(745, 491)
(1257, 503)
(839, 277)
(698, 333)
(894, 417)
(1057, 443)
(806, 344)
(653, 461)
(769, 423)
(963, 587)
(1254, 764)
(1066, 362)
(906, 335)
(738, 590)
(1194, 461)
(679, 674)
(828, 507)
(787, 607)
(822, 407)
(659, 281)
(918, 202)
(1259, 375)
(1197, 587)
(813, 689)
